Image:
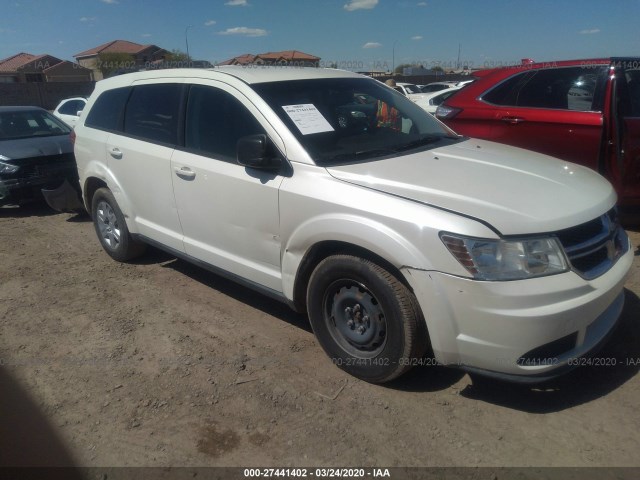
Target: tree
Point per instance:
(400, 68)
(109, 63)
(437, 68)
(176, 56)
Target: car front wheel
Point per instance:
(365, 319)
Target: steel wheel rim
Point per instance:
(108, 225)
(355, 318)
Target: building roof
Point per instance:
(116, 46)
(11, 64)
(39, 63)
(288, 55)
(245, 59)
(66, 63)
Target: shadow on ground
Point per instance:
(231, 289)
(28, 439)
(33, 209)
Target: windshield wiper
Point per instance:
(427, 140)
(376, 152)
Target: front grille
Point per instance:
(50, 166)
(593, 247)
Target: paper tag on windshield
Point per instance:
(308, 119)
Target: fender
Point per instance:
(97, 169)
(347, 228)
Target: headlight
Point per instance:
(489, 259)
(8, 168)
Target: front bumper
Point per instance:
(532, 328)
(22, 189)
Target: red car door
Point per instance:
(556, 111)
(623, 159)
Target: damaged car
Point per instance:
(36, 153)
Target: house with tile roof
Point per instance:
(26, 68)
(141, 56)
(284, 58)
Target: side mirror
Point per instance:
(252, 153)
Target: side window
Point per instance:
(569, 88)
(632, 76)
(152, 113)
(72, 107)
(106, 113)
(216, 120)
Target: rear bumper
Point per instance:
(534, 328)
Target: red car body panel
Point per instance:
(597, 123)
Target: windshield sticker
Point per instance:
(308, 119)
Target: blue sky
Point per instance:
(354, 33)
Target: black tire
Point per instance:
(365, 319)
(111, 227)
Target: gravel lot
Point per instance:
(158, 363)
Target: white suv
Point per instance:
(404, 242)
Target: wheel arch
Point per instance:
(91, 185)
(326, 248)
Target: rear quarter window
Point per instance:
(107, 111)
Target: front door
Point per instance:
(229, 213)
(625, 156)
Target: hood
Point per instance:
(35, 147)
(516, 191)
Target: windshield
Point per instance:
(349, 120)
(30, 123)
(410, 88)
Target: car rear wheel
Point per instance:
(111, 227)
(365, 319)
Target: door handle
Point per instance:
(185, 173)
(512, 120)
(115, 153)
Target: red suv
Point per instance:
(583, 111)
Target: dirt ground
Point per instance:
(159, 363)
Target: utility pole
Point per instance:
(186, 39)
(458, 64)
(393, 58)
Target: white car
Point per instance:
(399, 238)
(439, 86)
(69, 110)
(431, 101)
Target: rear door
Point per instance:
(139, 159)
(556, 111)
(624, 160)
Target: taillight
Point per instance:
(443, 112)
(72, 137)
